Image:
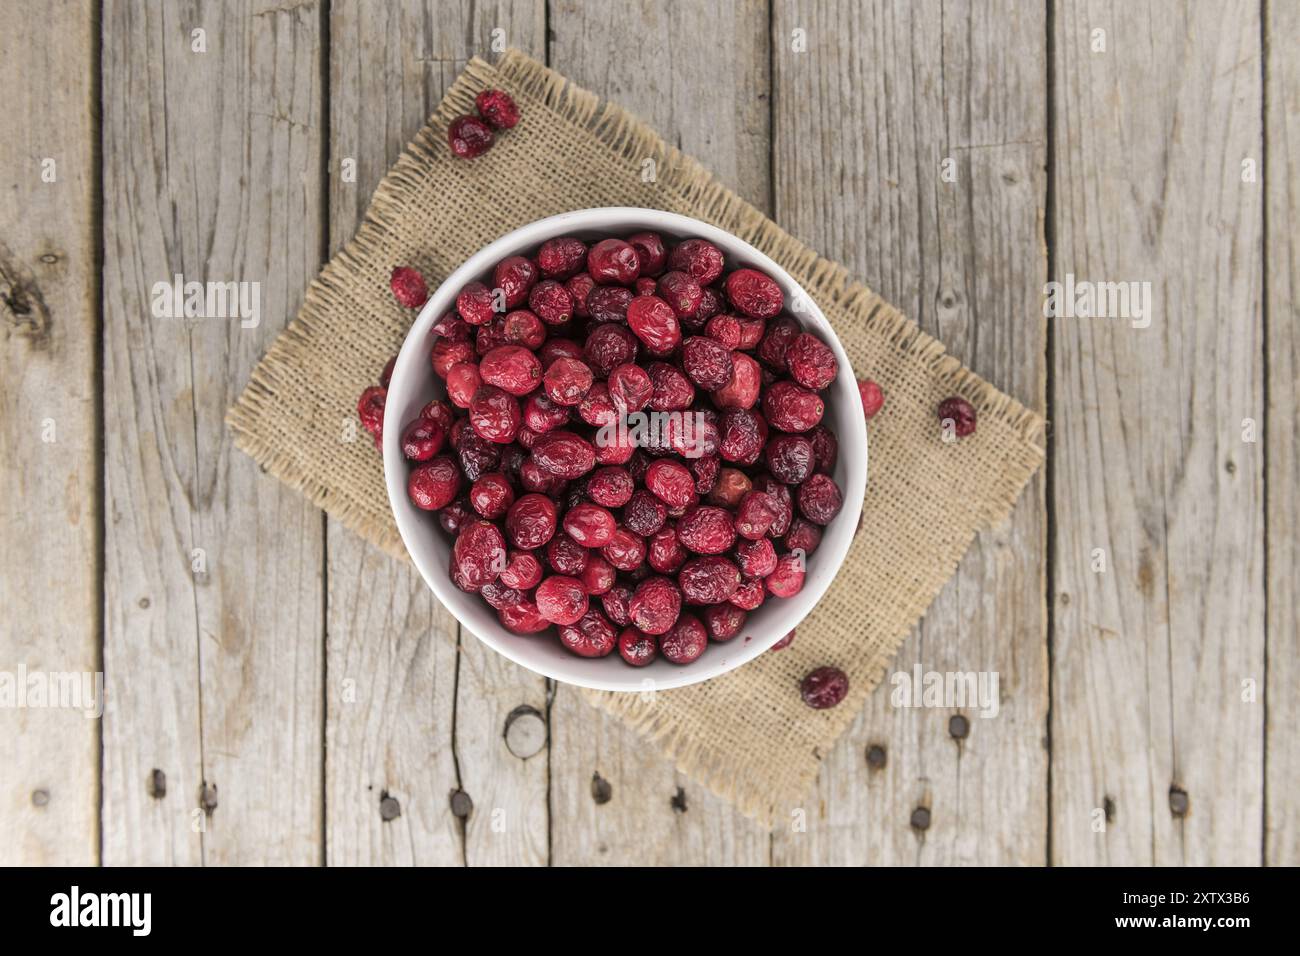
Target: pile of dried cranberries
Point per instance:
(631, 449)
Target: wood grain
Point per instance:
(1151, 730)
(1282, 352)
(865, 121)
(213, 644)
(407, 717)
(49, 442)
(613, 798)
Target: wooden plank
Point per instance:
(212, 170)
(50, 563)
(1155, 472)
(889, 98)
(1282, 353)
(408, 720)
(614, 800)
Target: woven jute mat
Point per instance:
(746, 735)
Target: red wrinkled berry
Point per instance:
(499, 595)
(655, 604)
(792, 408)
(873, 399)
(749, 595)
(422, 439)
(522, 571)
(566, 556)
(434, 484)
(440, 412)
(670, 482)
(790, 458)
(723, 621)
(726, 329)
(636, 647)
(511, 368)
(531, 521)
(644, 285)
(745, 383)
(681, 292)
(522, 618)
(787, 580)
(497, 108)
(445, 353)
(826, 449)
(710, 579)
(823, 688)
(590, 525)
(671, 390)
(654, 323)
(479, 554)
(743, 435)
(494, 415)
(730, 488)
(469, 136)
(598, 576)
(408, 287)
(960, 412)
(757, 559)
(491, 495)
(811, 362)
(755, 515)
(611, 486)
(515, 276)
(820, 499)
(686, 641)
(615, 602)
(370, 409)
(751, 333)
(596, 408)
(706, 362)
(562, 257)
(664, 552)
(783, 642)
(567, 381)
(561, 599)
(522, 327)
(475, 304)
(644, 513)
(463, 380)
(707, 529)
(553, 349)
(551, 302)
(542, 415)
(564, 454)
(781, 493)
(772, 349)
(609, 346)
(803, 536)
(454, 515)
(613, 262)
(580, 287)
(452, 326)
(701, 259)
(650, 250)
(630, 388)
(590, 636)
(754, 294)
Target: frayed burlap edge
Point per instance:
(753, 789)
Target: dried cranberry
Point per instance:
(370, 409)
(596, 408)
(711, 303)
(515, 276)
(475, 304)
(803, 536)
(440, 412)
(551, 301)
(538, 480)
(531, 521)
(617, 450)
(553, 349)
(522, 327)
(522, 618)
(499, 595)
(608, 347)
(512, 368)
(490, 336)
(681, 292)
(561, 599)
(707, 362)
(542, 415)
(783, 642)
(567, 381)
(708, 580)
(446, 353)
(522, 571)
(636, 647)
(630, 388)
(615, 601)
(644, 285)
(743, 435)
(451, 326)
(497, 108)
(655, 604)
(408, 287)
(749, 595)
(434, 484)
(650, 251)
(751, 333)
(787, 580)
(494, 415)
(580, 287)
(566, 556)
(611, 486)
(824, 688)
(670, 482)
(781, 493)
(564, 454)
(491, 495)
(731, 486)
(477, 455)
(469, 136)
(591, 636)
(757, 559)
(779, 335)
(755, 515)
(613, 262)
(625, 550)
(698, 257)
(790, 458)
(664, 552)
(590, 525)
(672, 391)
(686, 641)
(598, 576)
(454, 515)
(654, 323)
(826, 449)
(479, 554)
(741, 391)
(463, 380)
(811, 362)
(723, 621)
(706, 529)
(754, 294)
(562, 257)
(873, 399)
(960, 413)
(644, 514)
(820, 499)
(608, 303)
(726, 329)
(792, 408)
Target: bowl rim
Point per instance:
(411, 357)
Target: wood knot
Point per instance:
(1179, 803)
(921, 818)
(876, 757)
(461, 805)
(958, 727)
(40, 798)
(601, 791)
(389, 808)
(678, 801)
(208, 797)
(525, 731)
(22, 308)
(157, 785)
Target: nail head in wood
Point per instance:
(601, 791)
(958, 727)
(208, 797)
(461, 805)
(1178, 801)
(921, 818)
(678, 802)
(876, 757)
(40, 798)
(157, 784)
(525, 731)
(389, 808)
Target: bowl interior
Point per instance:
(413, 384)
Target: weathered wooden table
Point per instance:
(280, 692)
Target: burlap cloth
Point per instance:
(746, 735)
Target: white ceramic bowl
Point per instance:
(414, 384)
